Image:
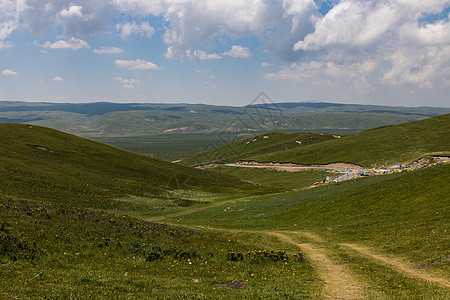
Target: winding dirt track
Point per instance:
(396, 263)
(339, 281)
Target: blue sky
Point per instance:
(390, 52)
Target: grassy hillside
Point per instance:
(44, 164)
(55, 251)
(381, 146)
(271, 177)
(258, 145)
(403, 216)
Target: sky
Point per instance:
(225, 52)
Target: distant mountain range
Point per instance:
(118, 119)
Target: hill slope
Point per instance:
(403, 214)
(382, 146)
(44, 164)
(258, 145)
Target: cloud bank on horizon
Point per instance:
(355, 49)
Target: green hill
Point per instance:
(44, 164)
(258, 145)
(402, 217)
(381, 146)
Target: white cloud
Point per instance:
(57, 78)
(128, 83)
(189, 54)
(407, 46)
(238, 52)
(74, 10)
(108, 50)
(193, 26)
(6, 28)
(72, 43)
(8, 72)
(266, 64)
(6, 45)
(350, 23)
(427, 34)
(137, 64)
(76, 18)
(424, 67)
(143, 29)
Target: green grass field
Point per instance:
(400, 217)
(75, 222)
(60, 252)
(270, 177)
(258, 145)
(47, 165)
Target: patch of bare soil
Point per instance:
(232, 285)
(213, 165)
(292, 166)
(42, 148)
(339, 282)
(398, 264)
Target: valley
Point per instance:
(81, 219)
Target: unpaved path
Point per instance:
(339, 282)
(399, 265)
(294, 167)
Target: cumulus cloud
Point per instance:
(58, 78)
(74, 10)
(238, 52)
(427, 34)
(72, 43)
(137, 64)
(143, 29)
(9, 18)
(265, 64)
(407, 46)
(108, 50)
(350, 23)
(194, 26)
(423, 66)
(8, 72)
(77, 18)
(350, 34)
(6, 28)
(128, 83)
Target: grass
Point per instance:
(258, 145)
(65, 229)
(271, 177)
(405, 215)
(381, 146)
(169, 147)
(65, 252)
(47, 165)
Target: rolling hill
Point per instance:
(380, 146)
(48, 165)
